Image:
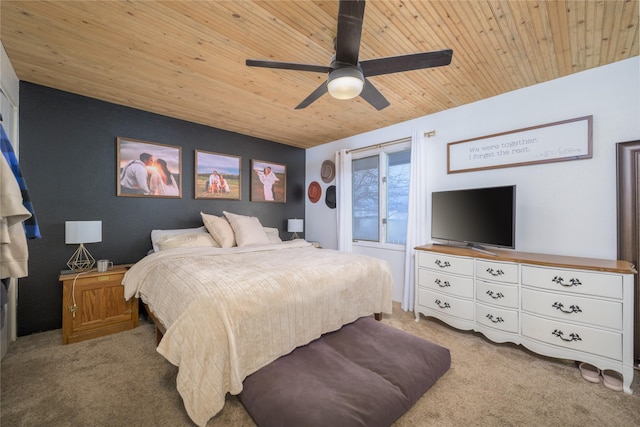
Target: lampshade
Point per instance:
(83, 232)
(345, 83)
(294, 226)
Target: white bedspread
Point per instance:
(229, 312)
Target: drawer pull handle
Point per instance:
(496, 319)
(441, 304)
(572, 308)
(496, 295)
(493, 272)
(439, 282)
(441, 264)
(572, 336)
(572, 282)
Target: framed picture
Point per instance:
(217, 176)
(268, 182)
(148, 169)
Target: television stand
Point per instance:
(479, 248)
(557, 306)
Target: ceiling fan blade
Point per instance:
(288, 66)
(321, 90)
(373, 96)
(396, 64)
(350, 16)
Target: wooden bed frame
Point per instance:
(160, 329)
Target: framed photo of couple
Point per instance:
(148, 169)
(268, 182)
(217, 176)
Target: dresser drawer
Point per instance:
(497, 271)
(596, 312)
(575, 337)
(573, 281)
(446, 304)
(504, 320)
(445, 263)
(496, 293)
(447, 283)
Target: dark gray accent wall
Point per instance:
(68, 158)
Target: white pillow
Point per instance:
(219, 229)
(273, 234)
(156, 234)
(248, 229)
(187, 240)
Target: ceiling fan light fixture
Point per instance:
(345, 83)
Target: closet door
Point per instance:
(628, 159)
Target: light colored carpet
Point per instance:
(120, 380)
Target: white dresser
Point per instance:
(566, 307)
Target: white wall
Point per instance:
(566, 208)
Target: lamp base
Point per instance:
(295, 235)
(81, 260)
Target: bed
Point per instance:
(229, 311)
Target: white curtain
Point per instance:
(417, 215)
(344, 201)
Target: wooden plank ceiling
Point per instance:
(186, 59)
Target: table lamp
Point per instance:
(294, 226)
(82, 232)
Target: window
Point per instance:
(381, 194)
(366, 198)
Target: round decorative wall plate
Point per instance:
(314, 192)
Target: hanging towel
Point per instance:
(31, 228)
(14, 252)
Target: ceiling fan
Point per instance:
(348, 76)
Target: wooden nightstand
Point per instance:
(99, 309)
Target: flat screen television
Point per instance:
(475, 217)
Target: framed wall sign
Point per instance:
(268, 182)
(552, 142)
(148, 169)
(217, 176)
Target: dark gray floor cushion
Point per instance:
(365, 374)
